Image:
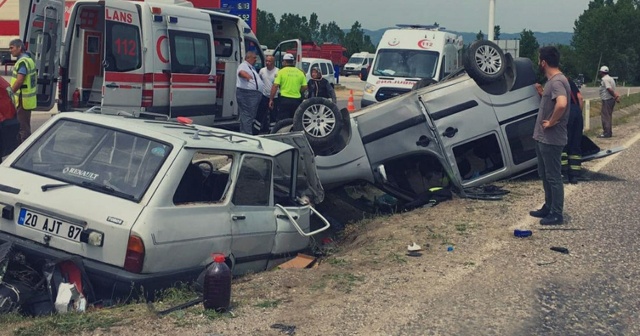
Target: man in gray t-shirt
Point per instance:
(550, 133)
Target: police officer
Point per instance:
(23, 85)
(291, 82)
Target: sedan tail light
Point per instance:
(134, 259)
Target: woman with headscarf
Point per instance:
(320, 87)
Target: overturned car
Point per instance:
(472, 128)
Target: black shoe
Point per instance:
(552, 219)
(540, 213)
(573, 180)
(603, 136)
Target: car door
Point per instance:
(296, 189)
(288, 46)
(43, 36)
(468, 130)
(123, 55)
(253, 224)
(192, 83)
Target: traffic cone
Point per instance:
(350, 106)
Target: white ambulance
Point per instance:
(151, 57)
(407, 55)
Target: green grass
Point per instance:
(397, 258)
(345, 281)
(67, 324)
(337, 261)
(268, 303)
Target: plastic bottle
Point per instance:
(217, 285)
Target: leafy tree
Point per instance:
(479, 36)
(314, 27)
(355, 40)
(496, 32)
(331, 32)
(293, 26)
(529, 45)
(608, 33)
(267, 29)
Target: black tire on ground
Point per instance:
(321, 121)
(484, 62)
(423, 83)
(282, 126)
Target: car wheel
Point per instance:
(423, 83)
(321, 121)
(484, 62)
(282, 126)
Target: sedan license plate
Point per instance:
(49, 225)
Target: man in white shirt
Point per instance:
(609, 98)
(265, 114)
(249, 89)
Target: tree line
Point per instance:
(607, 33)
(293, 26)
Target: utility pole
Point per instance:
(492, 16)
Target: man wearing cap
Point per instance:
(291, 82)
(248, 92)
(609, 98)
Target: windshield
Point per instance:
(96, 157)
(356, 60)
(406, 63)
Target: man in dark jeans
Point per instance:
(550, 133)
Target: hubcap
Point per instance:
(488, 60)
(318, 120)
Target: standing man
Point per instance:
(265, 113)
(291, 82)
(23, 85)
(609, 98)
(248, 92)
(572, 153)
(550, 134)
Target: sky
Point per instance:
(456, 15)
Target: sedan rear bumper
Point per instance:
(109, 282)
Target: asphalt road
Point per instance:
(527, 289)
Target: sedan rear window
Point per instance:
(96, 157)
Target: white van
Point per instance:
(325, 66)
(407, 55)
(164, 57)
(357, 62)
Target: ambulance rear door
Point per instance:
(192, 76)
(123, 55)
(43, 37)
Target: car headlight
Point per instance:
(369, 88)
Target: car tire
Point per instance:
(321, 121)
(485, 62)
(282, 126)
(423, 83)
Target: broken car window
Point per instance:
(76, 152)
(479, 157)
(254, 182)
(205, 180)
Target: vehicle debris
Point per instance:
(300, 261)
(522, 233)
(560, 249)
(285, 329)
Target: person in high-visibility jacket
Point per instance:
(571, 160)
(23, 85)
